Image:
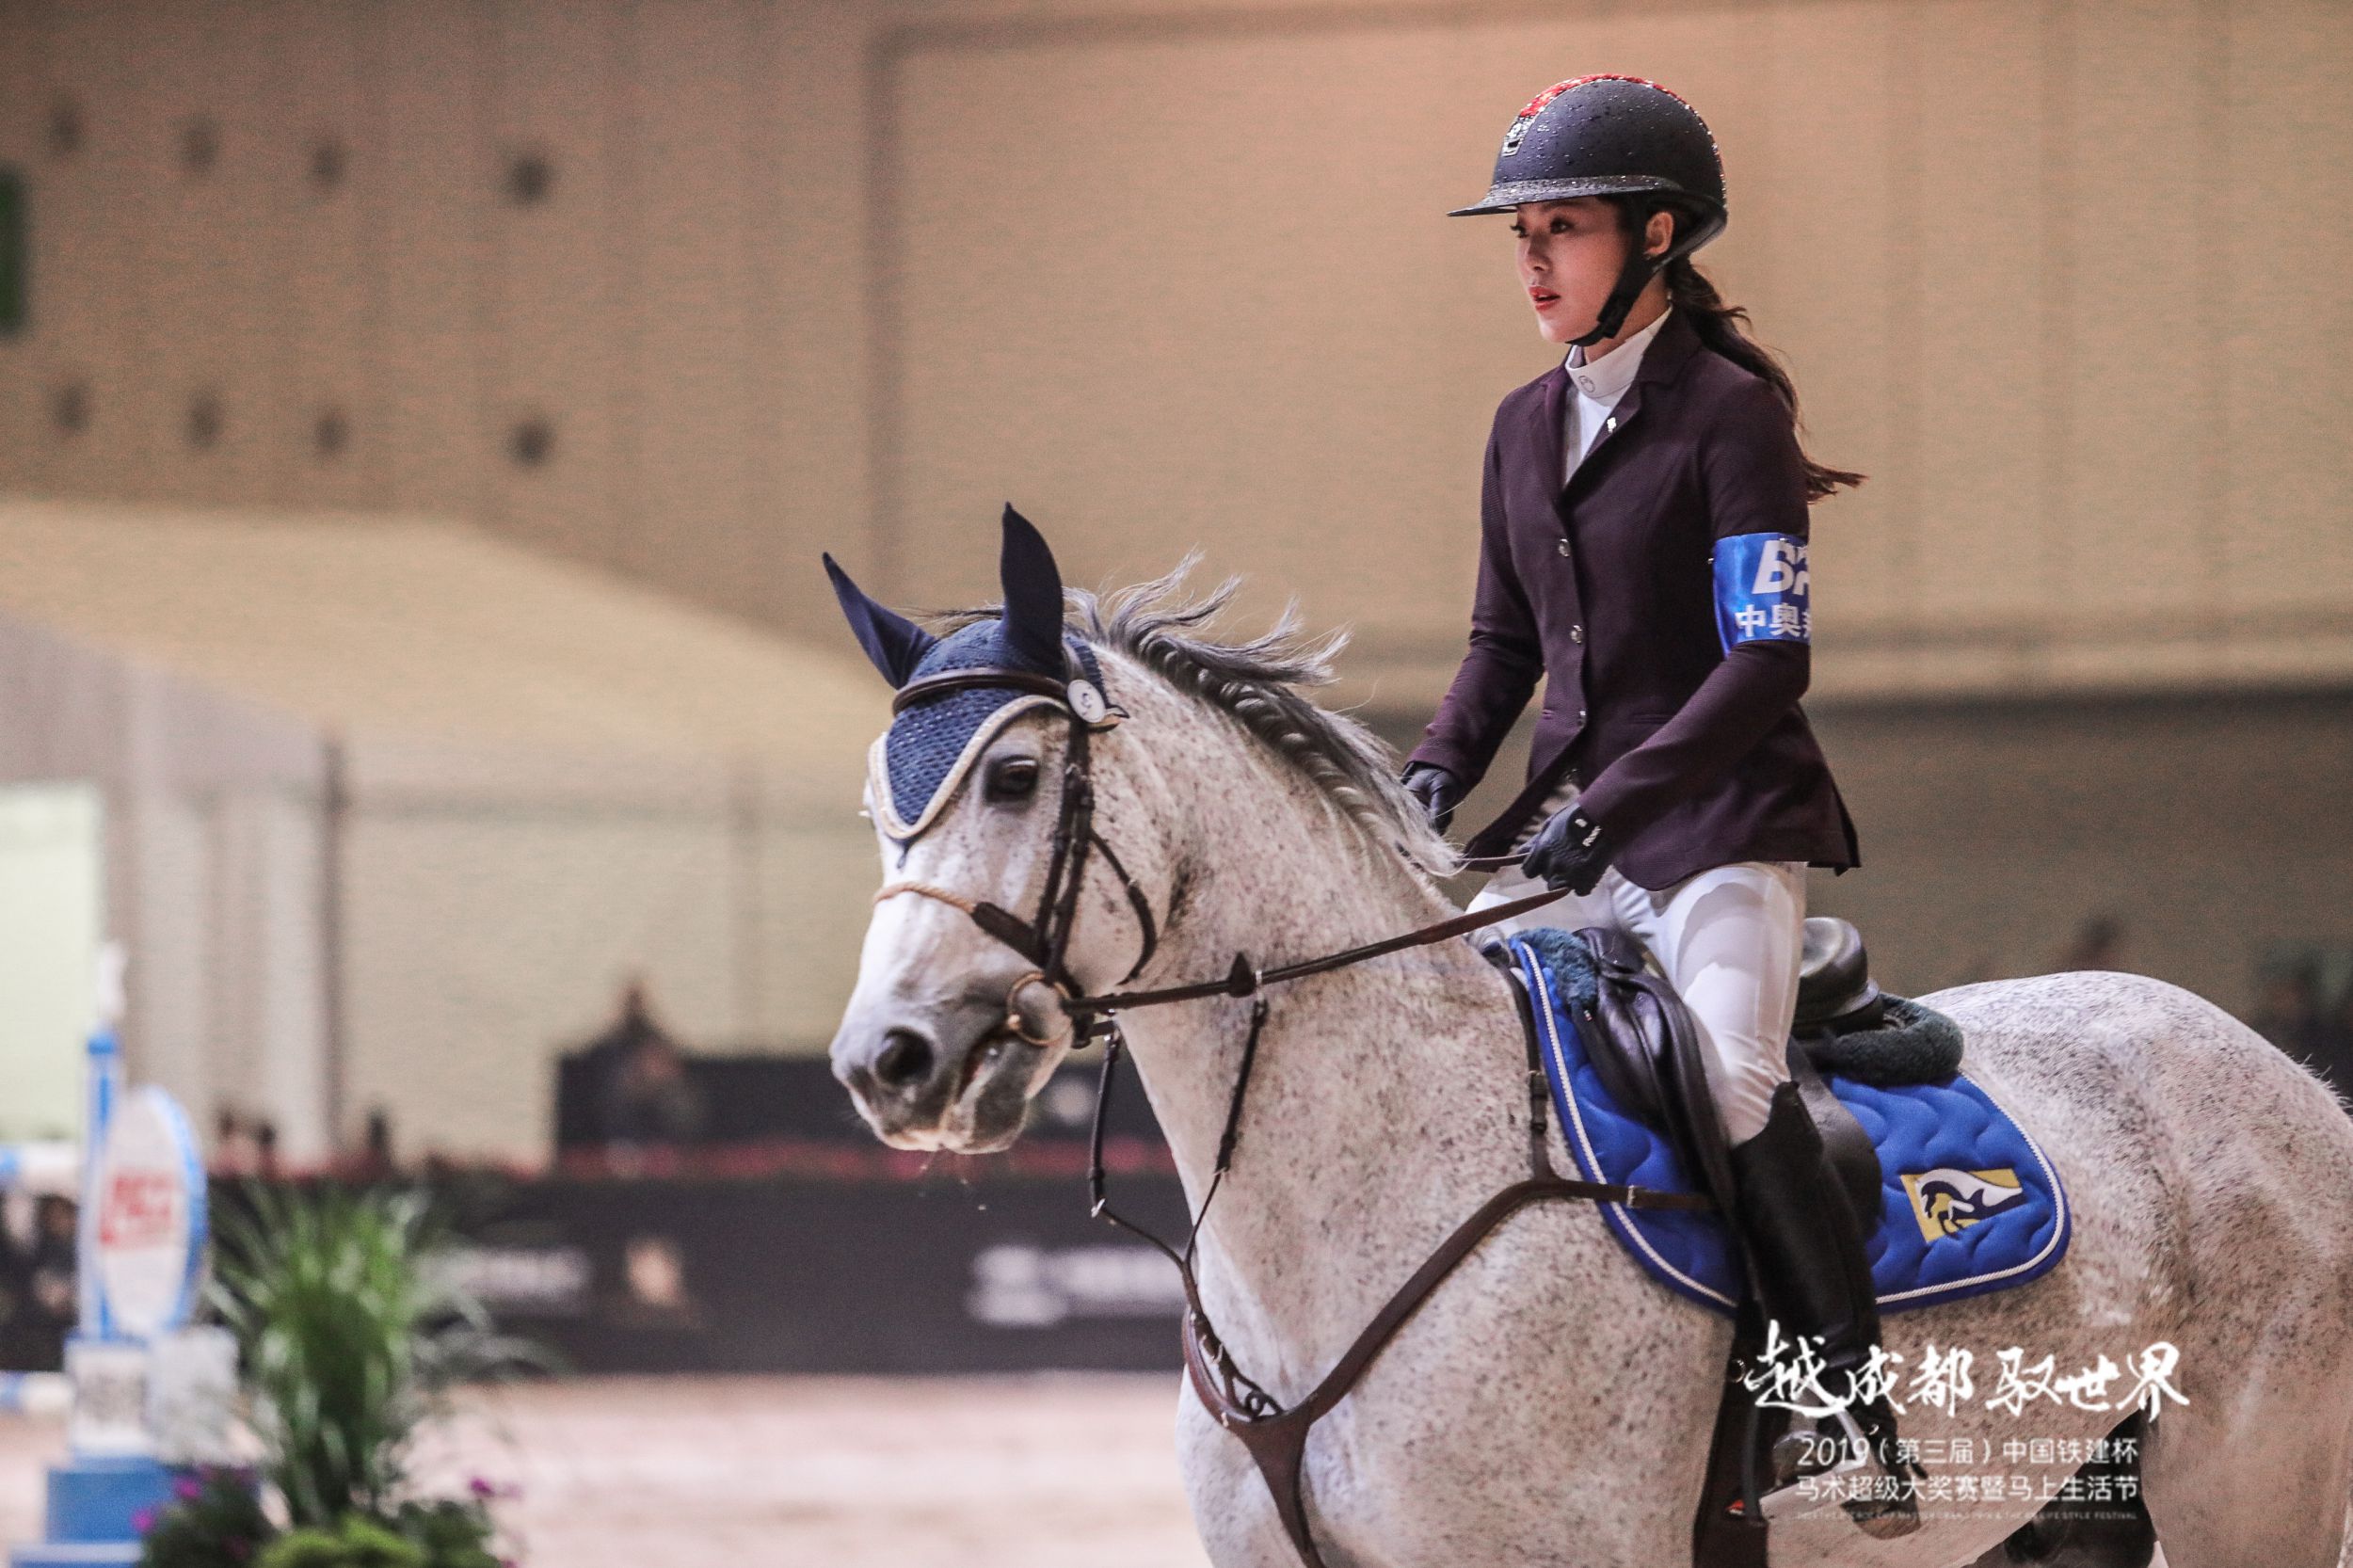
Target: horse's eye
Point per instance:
(1013, 778)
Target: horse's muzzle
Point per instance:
(956, 1080)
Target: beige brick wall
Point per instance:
(2061, 277)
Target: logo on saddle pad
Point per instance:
(1947, 1201)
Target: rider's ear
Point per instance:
(894, 643)
(1033, 586)
(1657, 237)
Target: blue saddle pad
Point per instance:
(1968, 1204)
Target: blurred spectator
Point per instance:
(373, 1162)
(637, 1080)
(2332, 1042)
(16, 1291)
(39, 1288)
(2096, 945)
(233, 1153)
(2287, 1013)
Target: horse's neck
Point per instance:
(1387, 1099)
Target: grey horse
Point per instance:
(1552, 1403)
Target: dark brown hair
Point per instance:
(1724, 328)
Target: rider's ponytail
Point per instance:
(1721, 327)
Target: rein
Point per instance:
(1275, 1434)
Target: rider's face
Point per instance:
(1570, 253)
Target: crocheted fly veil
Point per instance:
(916, 767)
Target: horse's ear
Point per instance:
(1033, 586)
(892, 641)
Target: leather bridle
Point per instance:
(1275, 1434)
(1043, 938)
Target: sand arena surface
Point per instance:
(1047, 1471)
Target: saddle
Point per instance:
(1646, 1051)
(1640, 1042)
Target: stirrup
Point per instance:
(1793, 1500)
(1881, 1518)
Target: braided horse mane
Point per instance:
(1257, 683)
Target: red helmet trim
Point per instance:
(1557, 89)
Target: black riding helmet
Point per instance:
(1614, 136)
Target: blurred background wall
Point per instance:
(687, 290)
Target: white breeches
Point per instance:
(1727, 938)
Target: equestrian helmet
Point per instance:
(1614, 136)
(1611, 135)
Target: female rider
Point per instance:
(1643, 550)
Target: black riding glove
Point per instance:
(1438, 788)
(1570, 852)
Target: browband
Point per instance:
(984, 675)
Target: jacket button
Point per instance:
(1577, 634)
(1564, 547)
(1580, 715)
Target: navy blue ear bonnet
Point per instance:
(915, 766)
(932, 742)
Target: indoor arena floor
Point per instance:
(1052, 1471)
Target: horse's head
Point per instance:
(998, 899)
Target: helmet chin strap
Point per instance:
(1643, 266)
(1631, 281)
(1633, 278)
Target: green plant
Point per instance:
(214, 1521)
(446, 1533)
(351, 1336)
(354, 1542)
(454, 1533)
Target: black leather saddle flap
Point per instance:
(1648, 1054)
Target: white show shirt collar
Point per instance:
(1607, 378)
(1597, 388)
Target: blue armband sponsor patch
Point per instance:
(1761, 589)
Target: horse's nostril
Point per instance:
(905, 1060)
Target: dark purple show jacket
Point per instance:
(1688, 756)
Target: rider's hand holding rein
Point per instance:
(1570, 851)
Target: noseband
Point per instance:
(1275, 1434)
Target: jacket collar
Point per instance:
(1662, 363)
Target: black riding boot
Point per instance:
(1806, 1259)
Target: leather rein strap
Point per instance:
(1275, 1434)
(1242, 979)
